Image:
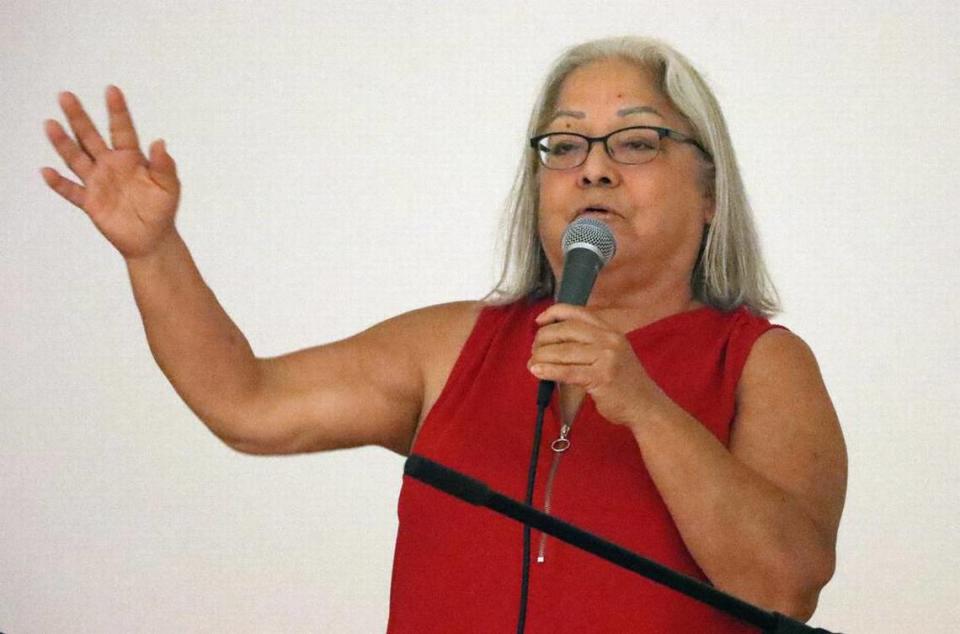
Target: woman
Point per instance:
(699, 434)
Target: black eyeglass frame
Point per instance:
(661, 133)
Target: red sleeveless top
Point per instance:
(457, 566)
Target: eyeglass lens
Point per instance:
(632, 146)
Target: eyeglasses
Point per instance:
(631, 146)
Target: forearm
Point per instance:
(201, 351)
(750, 537)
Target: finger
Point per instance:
(569, 374)
(162, 169)
(76, 159)
(68, 189)
(564, 354)
(561, 331)
(83, 128)
(562, 312)
(122, 133)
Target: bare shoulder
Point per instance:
(439, 321)
(778, 354)
(787, 429)
(781, 366)
(429, 335)
(439, 333)
(431, 339)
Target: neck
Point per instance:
(627, 307)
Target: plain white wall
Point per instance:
(121, 512)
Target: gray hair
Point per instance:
(729, 271)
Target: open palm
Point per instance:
(131, 198)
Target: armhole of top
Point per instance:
(748, 329)
(747, 337)
(484, 327)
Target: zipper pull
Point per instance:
(561, 444)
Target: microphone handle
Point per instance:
(580, 269)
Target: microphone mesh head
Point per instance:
(592, 232)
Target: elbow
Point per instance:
(250, 428)
(257, 443)
(242, 443)
(800, 581)
(787, 581)
(250, 448)
(797, 606)
(791, 600)
(246, 438)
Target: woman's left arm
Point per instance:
(760, 517)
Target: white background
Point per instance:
(120, 512)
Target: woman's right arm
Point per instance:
(369, 389)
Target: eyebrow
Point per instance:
(576, 114)
(638, 110)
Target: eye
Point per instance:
(561, 144)
(562, 147)
(637, 144)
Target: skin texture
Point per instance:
(759, 517)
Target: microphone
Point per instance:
(588, 245)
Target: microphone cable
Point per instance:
(545, 390)
(588, 245)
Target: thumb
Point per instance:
(162, 168)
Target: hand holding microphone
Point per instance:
(576, 347)
(588, 245)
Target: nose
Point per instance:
(599, 170)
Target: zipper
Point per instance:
(558, 446)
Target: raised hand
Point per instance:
(131, 198)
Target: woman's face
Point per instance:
(656, 210)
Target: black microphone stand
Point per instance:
(479, 494)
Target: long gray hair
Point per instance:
(729, 271)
